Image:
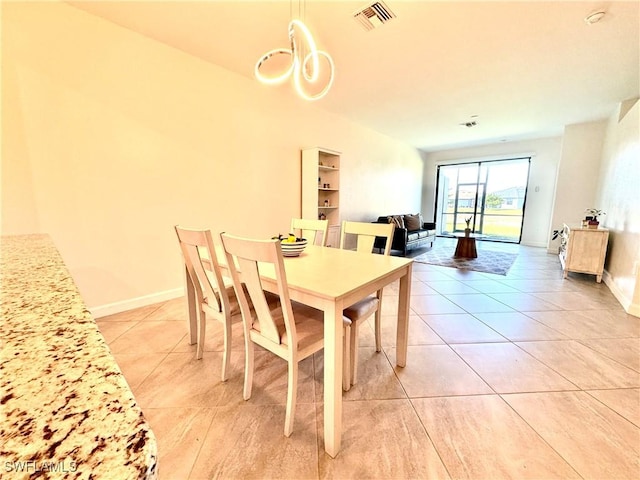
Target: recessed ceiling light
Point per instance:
(594, 17)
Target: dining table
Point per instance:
(331, 279)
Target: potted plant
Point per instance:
(558, 234)
(592, 217)
(467, 231)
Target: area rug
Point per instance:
(488, 261)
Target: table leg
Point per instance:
(402, 335)
(191, 305)
(333, 379)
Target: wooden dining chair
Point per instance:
(357, 313)
(214, 297)
(311, 229)
(290, 330)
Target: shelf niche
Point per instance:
(321, 188)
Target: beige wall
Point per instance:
(600, 168)
(110, 138)
(577, 174)
(545, 154)
(618, 195)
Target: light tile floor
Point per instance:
(519, 376)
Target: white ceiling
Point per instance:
(526, 68)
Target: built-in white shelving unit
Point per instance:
(321, 189)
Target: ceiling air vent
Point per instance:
(374, 15)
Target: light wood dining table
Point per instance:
(330, 280)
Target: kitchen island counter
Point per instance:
(65, 407)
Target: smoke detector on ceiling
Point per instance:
(374, 15)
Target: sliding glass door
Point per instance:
(491, 195)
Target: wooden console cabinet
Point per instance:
(583, 250)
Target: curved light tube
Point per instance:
(278, 78)
(305, 68)
(298, 84)
(313, 51)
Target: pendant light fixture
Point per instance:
(304, 65)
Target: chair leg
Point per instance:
(378, 316)
(192, 309)
(353, 364)
(346, 359)
(226, 357)
(248, 370)
(292, 393)
(202, 327)
(378, 334)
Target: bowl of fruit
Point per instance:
(291, 245)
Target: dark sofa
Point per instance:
(411, 232)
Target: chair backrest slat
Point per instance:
(366, 235)
(249, 254)
(315, 231)
(202, 265)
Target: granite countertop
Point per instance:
(66, 410)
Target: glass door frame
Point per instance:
(480, 211)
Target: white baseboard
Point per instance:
(534, 244)
(123, 306)
(628, 305)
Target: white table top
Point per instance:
(333, 273)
